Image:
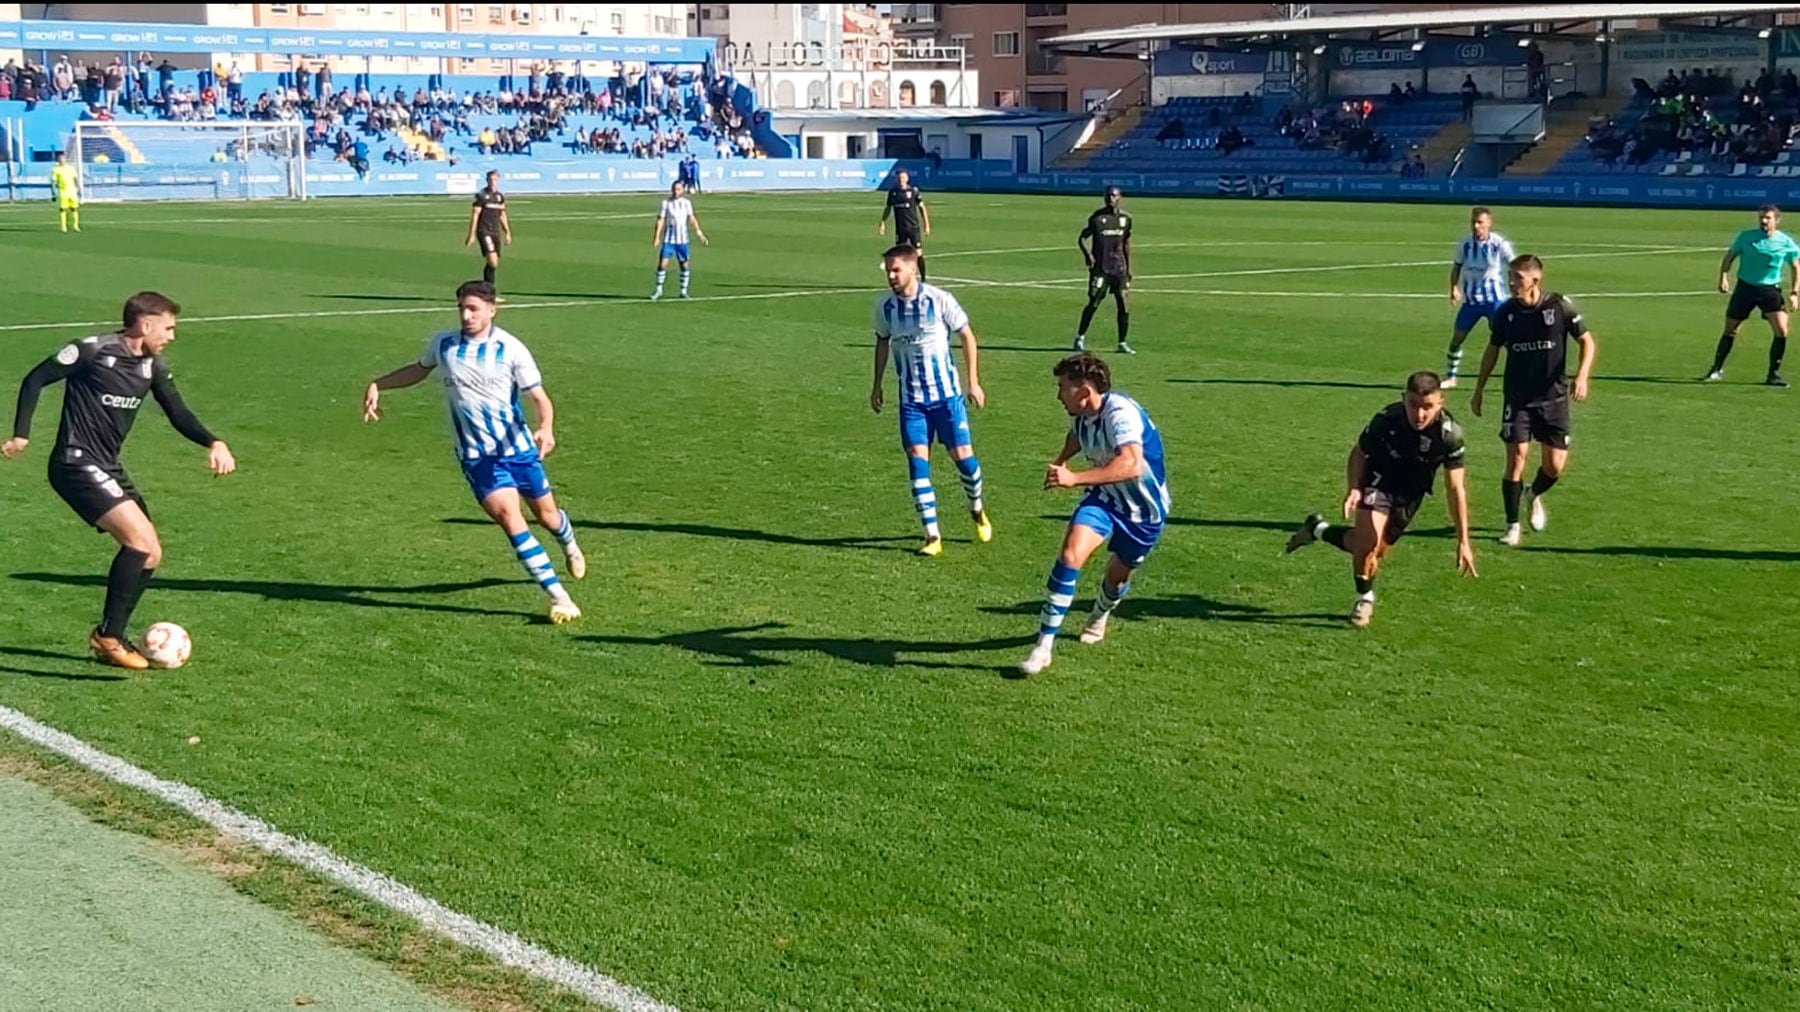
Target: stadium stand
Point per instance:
(1354, 135)
(1695, 124)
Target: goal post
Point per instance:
(129, 160)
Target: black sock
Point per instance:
(1087, 317)
(1124, 324)
(1510, 492)
(1365, 584)
(1777, 352)
(921, 267)
(487, 273)
(1723, 351)
(1544, 482)
(1337, 536)
(124, 582)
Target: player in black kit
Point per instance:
(1109, 266)
(1534, 326)
(108, 376)
(912, 223)
(488, 222)
(1391, 470)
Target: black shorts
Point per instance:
(93, 488)
(1746, 297)
(1101, 282)
(488, 244)
(1399, 511)
(909, 237)
(1545, 422)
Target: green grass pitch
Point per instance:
(776, 764)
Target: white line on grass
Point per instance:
(1236, 243)
(1312, 269)
(448, 309)
(501, 945)
(1316, 294)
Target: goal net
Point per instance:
(221, 160)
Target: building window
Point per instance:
(362, 9)
(1050, 101)
(618, 22)
(1046, 10)
(278, 8)
(312, 9)
(557, 14)
(1006, 99)
(465, 12)
(1006, 43)
(496, 14)
(962, 40)
(522, 14)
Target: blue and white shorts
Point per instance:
(524, 472)
(1131, 540)
(946, 420)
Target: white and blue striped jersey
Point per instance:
(919, 330)
(675, 214)
(483, 377)
(1120, 423)
(1484, 269)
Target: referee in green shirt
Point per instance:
(1762, 253)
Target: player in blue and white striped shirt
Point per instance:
(672, 221)
(485, 370)
(1127, 499)
(913, 324)
(1477, 283)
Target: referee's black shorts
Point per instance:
(92, 488)
(909, 237)
(1746, 297)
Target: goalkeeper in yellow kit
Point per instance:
(68, 192)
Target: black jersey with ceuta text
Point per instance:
(492, 204)
(1110, 231)
(105, 386)
(1536, 339)
(1403, 461)
(905, 201)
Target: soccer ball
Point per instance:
(166, 645)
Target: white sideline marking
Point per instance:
(503, 946)
(1235, 243)
(1395, 295)
(1316, 269)
(448, 309)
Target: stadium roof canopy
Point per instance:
(1572, 20)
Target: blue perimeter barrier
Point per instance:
(619, 175)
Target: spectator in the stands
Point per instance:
(1470, 92)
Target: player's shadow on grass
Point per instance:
(985, 347)
(751, 646)
(67, 676)
(876, 544)
(323, 593)
(1683, 552)
(1186, 606)
(357, 297)
(1678, 381)
(594, 296)
(1328, 384)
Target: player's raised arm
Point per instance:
(162, 387)
(405, 376)
(51, 370)
(1128, 464)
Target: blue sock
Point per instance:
(685, 276)
(536, 561)
(565, 530)
(1111, 596)
(970, 469)
(661, 273)
(924, 497)
(1060, 593)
